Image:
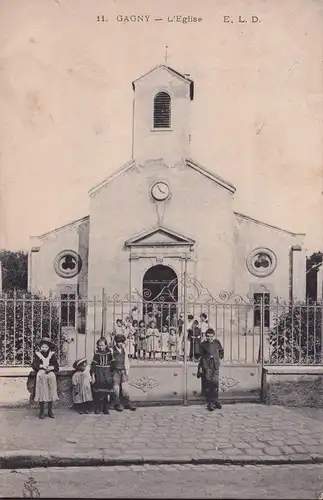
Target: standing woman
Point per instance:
(45, 365)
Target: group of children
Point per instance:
(101, 384)
(105, 381)
(150, 337)
(145, 341)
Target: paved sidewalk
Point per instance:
(241, 433)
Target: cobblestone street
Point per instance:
(241, 431)
(169, 481)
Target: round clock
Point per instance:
(160, 191)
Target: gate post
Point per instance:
(261, 333)
(185, 332)
(261, 349)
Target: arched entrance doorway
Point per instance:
(160, 293)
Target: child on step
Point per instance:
(164, 339)
(46, 365)
(153, 340)
(102, 377)
(129, 332)
(81, 383)
(173, 343)
(142, 342)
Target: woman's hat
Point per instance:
(79, 362)
(46, 340)
(119, 338)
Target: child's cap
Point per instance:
(79, 362)
(119, 338)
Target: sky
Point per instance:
(66, 103)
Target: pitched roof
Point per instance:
(270, 226)
(65, 226)
(189, 162)
(124, 168)
(173, 72)
(210, 175)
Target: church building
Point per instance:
(163, 214)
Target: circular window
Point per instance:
(261, 262)
(68, 264)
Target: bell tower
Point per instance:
(161, 116)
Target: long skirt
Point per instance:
(46, 387)
(82, 391)
(142, 344)
(130, 347)
(173, 350)
(103, 380)
(152, 344)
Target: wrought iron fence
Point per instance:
(250, 331)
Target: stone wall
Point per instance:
(299, 386)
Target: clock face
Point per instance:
(160, 191)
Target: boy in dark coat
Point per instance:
(120, 372)
(208, 368)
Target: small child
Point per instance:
(81, 382)
(135, 328)
(180, 324)
(153, 338)
(194, 336)
(134, 314)
(102, 377)
(130, 338)
(209, 367)
(119, 328)
(173, 343)
(142, 343)
(45, 364)
(164, 339)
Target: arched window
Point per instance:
(162, 110)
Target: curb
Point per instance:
(26, 404)
(26, 459)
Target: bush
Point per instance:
(297, 335)
(24, 319)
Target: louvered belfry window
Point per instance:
(162, 110)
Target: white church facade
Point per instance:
(163, 213)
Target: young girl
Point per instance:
(153, 338)
(102, 378)
(135, 328)
(164, 339)
(130, 338)
(119, 328)
(142, 344)
(134, 314)
(45, 364)
(81, 382)
(173, 343)
(194, 335)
